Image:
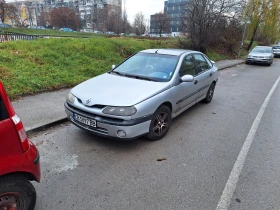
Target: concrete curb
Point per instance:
(59, 120)
(45, 125)
(229, 66)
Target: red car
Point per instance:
(19, 160)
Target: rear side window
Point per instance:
(3, 111)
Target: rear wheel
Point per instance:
(160, 123)
(209, 94)
(16, 192)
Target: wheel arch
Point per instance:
(168, 104)
(28, 176)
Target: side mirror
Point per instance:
(187, 78)
(113, 66)
(213, 62)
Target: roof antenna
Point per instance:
(157, 51)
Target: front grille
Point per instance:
(97, 106)
(108, 120)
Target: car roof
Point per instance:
(176, 52)
(262, 46)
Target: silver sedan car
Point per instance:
(143, 94)
(261, 54)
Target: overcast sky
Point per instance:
(148, 7)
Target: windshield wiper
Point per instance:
(142, 77)
(118, 73)
(134, 76)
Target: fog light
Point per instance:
(121, 133)
(71, 118)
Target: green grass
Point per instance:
(215, 56)
(50, 64)
(48, 32)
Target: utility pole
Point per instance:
(244, 32)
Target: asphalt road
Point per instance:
(83, 171)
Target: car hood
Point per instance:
(260, 54)
(114, 90)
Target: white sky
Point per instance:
(148, 7)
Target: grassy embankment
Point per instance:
(49, 32)
(50, 64)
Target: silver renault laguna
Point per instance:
(143, 94)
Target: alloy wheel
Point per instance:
(160, 124)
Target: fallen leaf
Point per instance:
(39, 143)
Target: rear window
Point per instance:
(3, 111)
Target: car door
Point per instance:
(203, 75)
(10, 147)
(185, 91)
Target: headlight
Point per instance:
(120, 111)
(70, 97)
(249, 56)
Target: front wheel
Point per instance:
(17, 193)
(209, 94)
(160, 123)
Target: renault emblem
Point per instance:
(88, 101)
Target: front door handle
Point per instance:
(195, 82)
(210, 74)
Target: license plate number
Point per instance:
(85, 120)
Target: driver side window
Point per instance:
(187, 67)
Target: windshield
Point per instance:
(155, 67)
(276, 47)
(262, 50)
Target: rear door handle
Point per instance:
(195, 82)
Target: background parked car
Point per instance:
(261, 54)
(132, 34)
(37, 27)
(86, 30)
(98, 32)
(276, 50)
(19, 160)
(110, 32)
(4, 25)
(67, 30)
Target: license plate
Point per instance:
(84, 120)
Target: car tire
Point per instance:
(17, 191)
(160, 123)
(209, 94)
(246, 62)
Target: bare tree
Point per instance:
(161, 22)
(139, 23)
(2, 10)
(204, 21)
(64, 17)
(12, 13)
(44, 18)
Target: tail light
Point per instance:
(21, 133)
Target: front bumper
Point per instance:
(259, 60)
(109, 127)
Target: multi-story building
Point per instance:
(87, 10)
(174, 9)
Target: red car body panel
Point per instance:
(12, 157)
